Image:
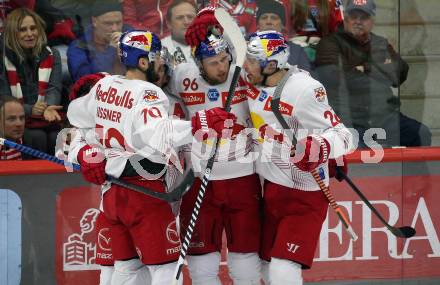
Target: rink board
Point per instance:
(59, 242)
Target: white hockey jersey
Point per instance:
(232, 157)
(305, 108)
(180, 52)
(130, 117)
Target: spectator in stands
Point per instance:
(58, 25)
(243, 11)
(96, 50)
(358, 69)
(271, 16)
(147, 14)
(33, 76)
(11, 126)
(314, 19)
(280, 8)
(179, 16)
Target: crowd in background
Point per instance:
(48, 45)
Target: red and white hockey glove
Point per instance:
(311, 152)
(92, 161)
(205, 122)
(200, 26)
(332, 164)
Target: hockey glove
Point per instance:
(267, 132)
(332, 165)
(200, 26)
(205, 122)
(92, 161)
(311, 152)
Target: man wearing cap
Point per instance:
(271, 16)
(358, 68)
(96, 50)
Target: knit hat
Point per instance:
(273, 7)
(101, 7)
(367, 6)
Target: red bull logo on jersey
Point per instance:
(320, 94)
(150, 96)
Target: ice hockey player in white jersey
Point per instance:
(130, 117)
(232, 199)
(294, 206)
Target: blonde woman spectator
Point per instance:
(33, 76)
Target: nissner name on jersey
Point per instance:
(110, 97)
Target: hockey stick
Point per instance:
(234, 34)
(403, 232)
(173, 196)
(275, 105)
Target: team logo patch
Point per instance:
(213, 94)
(263, 96)
(320, 94)
(172, 234)
(150, 96)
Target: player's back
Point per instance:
(120, 109)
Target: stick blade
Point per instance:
(405, 232)
(232, 31)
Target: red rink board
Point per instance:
(411, 200)
(376, 255)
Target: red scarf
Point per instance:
(44, 71)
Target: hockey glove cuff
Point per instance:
(311, 152)
(211, 123)
(92, 161)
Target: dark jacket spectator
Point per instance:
(58, 25)
(12, 120)
(358, 69)
(33, 70)
(33, 75)
(96, 50)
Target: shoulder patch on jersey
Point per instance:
(263, 96)
(150, 96)
(285, 109)
(213, 94)
(320, 94)
(193, 98)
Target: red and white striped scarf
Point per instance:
(9, 153)
(44, 71)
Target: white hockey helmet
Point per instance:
(268, 46)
